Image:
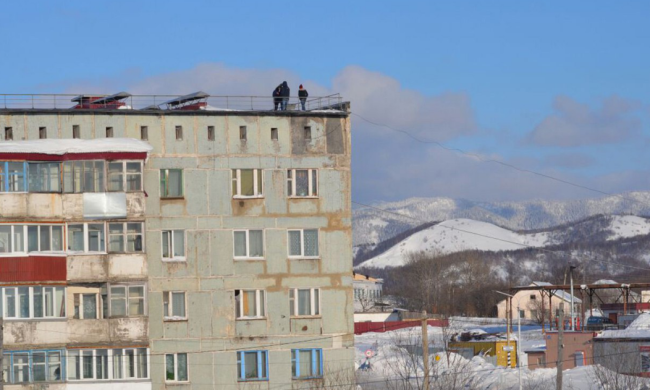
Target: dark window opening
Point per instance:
(76, 132)
(144, 133)
(179, 133)
(307, 133)
(274, 134)
(109, 132)
(242, 133)
(42, 132)
(210, 133)
(9, 133)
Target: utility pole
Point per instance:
(571, 268)
(2, 328)
(560, 347)
(425, 350)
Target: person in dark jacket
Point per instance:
(285, 95)
(277, 97)
(302, 95)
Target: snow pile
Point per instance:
(65, 146)
(639, 328)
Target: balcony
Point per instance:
(103, 267)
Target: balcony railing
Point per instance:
(161, 102)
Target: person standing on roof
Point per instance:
(277, 97)
(285, 95)
(302, 95)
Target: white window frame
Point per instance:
(31, 302)
(302, 244)
(170, 245)
(258, 180)
(291, 182)
(124, 173)
(248, 247)
(72, 165)
(187, 368)
(127, 300)
(86, 232)
(260, 304)
(125, 236)
(314, 304)
(111, 355)
(38, 238)
(170, 303)
(98, 304)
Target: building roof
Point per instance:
(638, 329)
(559, 293)
(69, 146)
(365, 278)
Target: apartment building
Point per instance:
(193, 242)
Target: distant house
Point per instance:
(530, 304)
(625, 351)
(367, 292)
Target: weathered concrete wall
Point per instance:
(208, 214)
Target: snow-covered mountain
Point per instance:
(457, 235)
(371, 226)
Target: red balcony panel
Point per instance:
(32, 269)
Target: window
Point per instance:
(86, 306)
(302, 182)
(303, 243)
(44, 177)
(242, 133)
(645, 360)
(86, 237)
(533, 297)
(522, 314)
(250, 304)
(174, 305)
(171, 183)
(43, 238)
(125, 237)
(144, 133)
(173, 245)
(124, 174)
(307, 133)
(304, 301)
(32, 302)
(12, 176)
(179, 133)
(83, 176)
(247, 183)
(109, 132)
(42, 132)
(579, 358)
(274, 133)
(249, 244)
(176, 367)
(127, 301)
(93, 364)
(32, 366)
(76, 131)
(210, 133)
(252, 365)
(9, 134)
(306, 363)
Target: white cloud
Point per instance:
(575, 124)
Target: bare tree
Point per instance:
(617, 368)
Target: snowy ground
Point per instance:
(396, 362)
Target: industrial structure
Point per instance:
(151, 242)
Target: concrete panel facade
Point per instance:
(207, 216)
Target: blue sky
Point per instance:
(558, 87)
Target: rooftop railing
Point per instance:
(162, 102)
